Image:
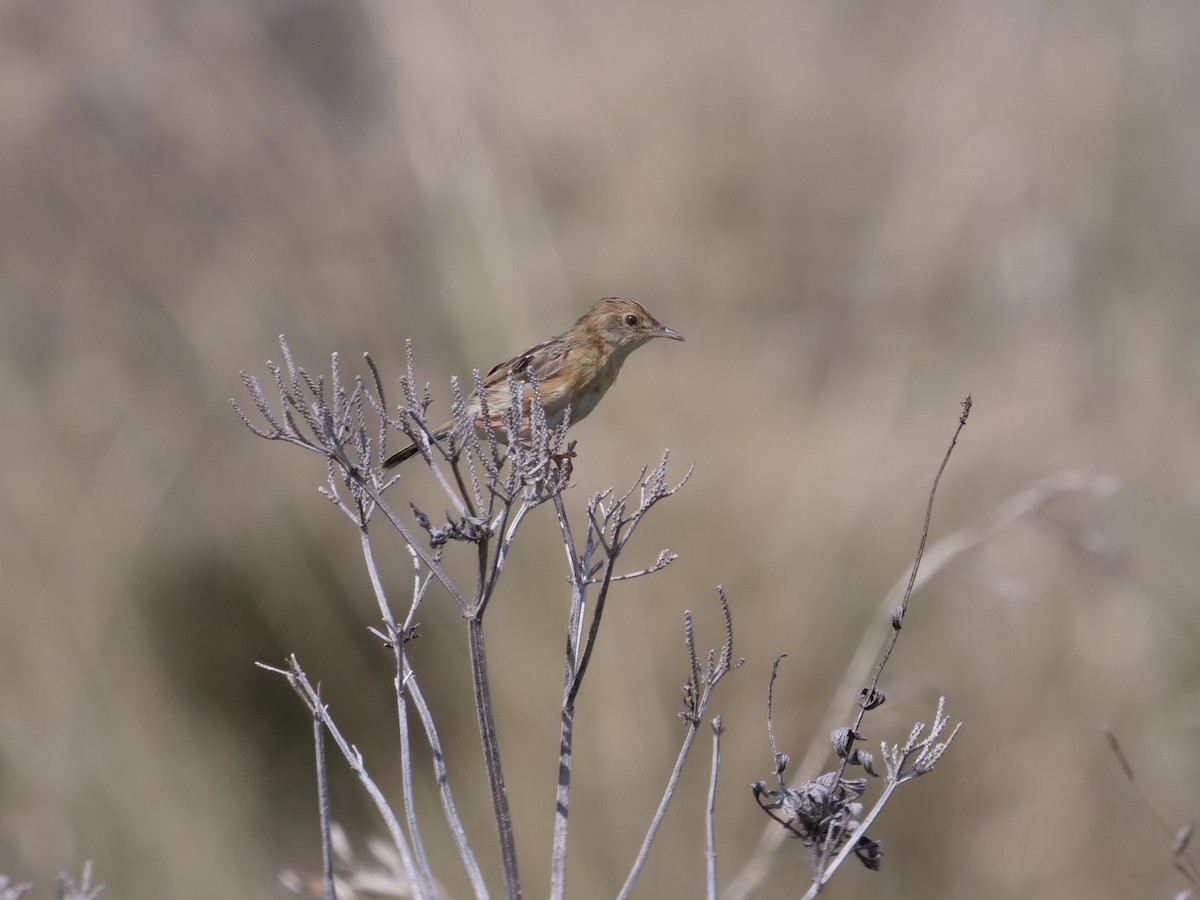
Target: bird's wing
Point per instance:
(544, 360)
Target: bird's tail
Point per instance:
(412, 450)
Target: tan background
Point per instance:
(855, 213)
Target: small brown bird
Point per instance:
(573, 369)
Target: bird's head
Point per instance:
(625, 325)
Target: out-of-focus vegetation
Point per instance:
(854, 213)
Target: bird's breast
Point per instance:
(583, 400)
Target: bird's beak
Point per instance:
(664, 331)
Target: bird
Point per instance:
(573, 369)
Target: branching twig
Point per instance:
(610, 526)
(915, 758)
(825, 813)
(297, 678)
(697, 692)
(1029, 502)
(493, 477)
(870, 697)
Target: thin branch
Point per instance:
(870, 692)
(562, 805)
(754, 871)
(491, 755)
(711, 816)
(325, 417)
(397, 638)
(665, 558)
(780, 759)
(593, 633)
(406, 775)
(1029, 502)
(850, 845)
(474, 873)
(323, 806)
(297, 678)
(659, 813)
(698, 690)
(916, 757)
(609, 530)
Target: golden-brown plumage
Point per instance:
(573, 369)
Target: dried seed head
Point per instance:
(842, 741)
(866, 760)
(869, 699)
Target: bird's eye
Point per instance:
(631, 320)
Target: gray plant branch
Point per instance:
(611, 523)
(697, 692)
(710, 818)
(1030, 503)
(299, 681)
(323, 808)
(916, 757)
(825, 812)
(492, 480)
(322, 416)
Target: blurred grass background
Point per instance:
(855, 213)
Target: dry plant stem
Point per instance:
(478, 885)
(1026, 503)
(697, 692)
(562, 804)
(494, 521)
(412, 689)
(848, 847)
(404, 683)
(473, 610)
(575, 667)
(484, 587)
(490, 516)
(609, 529)
(406, 780)
(297, 678)
(916, 757)
(335, 423)
(584, 656)
(407, 685)
(491, 754)
(824, 813)
(579, 567)
(490, 504)
(652, 832)
(323, 808)
(710, 818)
(897, 619)
(410, 539)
